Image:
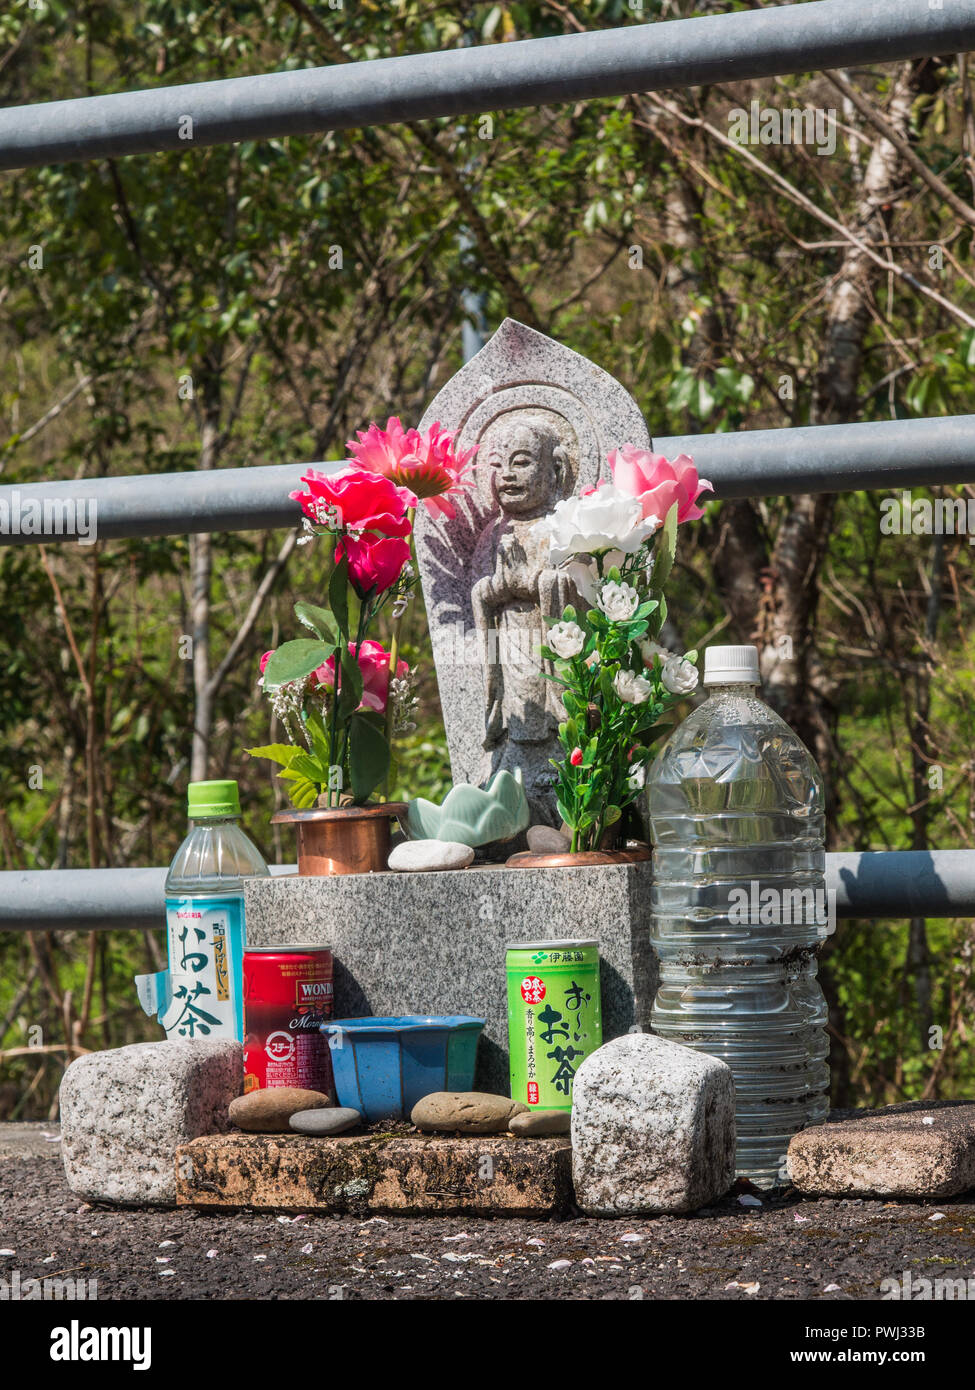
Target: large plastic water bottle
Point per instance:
(739, 906)
(201, 994)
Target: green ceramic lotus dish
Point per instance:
(471, 815)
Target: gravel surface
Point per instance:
(786, 1248)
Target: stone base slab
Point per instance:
(921, 1149)
(435, 942)
(402, 1175)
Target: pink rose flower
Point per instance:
(374, 665)
(353, 499)
(374, 564)
(427, 464)
(659, 483)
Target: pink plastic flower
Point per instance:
(427, 464)
(374, 665)
(658, 483)
(354, 499)
(375, 564)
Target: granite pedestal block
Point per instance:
(435, 942)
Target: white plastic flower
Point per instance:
(566, 639)
(648, 650)
(618, 601)
(604, 519)
(631, 688)
(585, 575)
(679, 676)
(637, 779)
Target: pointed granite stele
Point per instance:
(470, 816)
(543, 419)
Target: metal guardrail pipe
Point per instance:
(892, 883)
(461, 81)
(903, 883)
(890, 454)
(152, 504)
(87, 899)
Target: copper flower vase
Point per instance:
(342, 839)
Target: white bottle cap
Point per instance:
(731, 666)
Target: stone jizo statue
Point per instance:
(530, 468)
(543, 419)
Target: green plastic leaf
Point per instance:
(319, 620)
(277, 752)
(319, 737)
(666, 550)
(368, 757)
(293, 661)
(303, 793)
(307, 766)
(338, 595)
(611, 815)
(350, 686)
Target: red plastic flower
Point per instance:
(575, 757)
(427, 464)
(374, 563)
(374, 665)
(354, 499)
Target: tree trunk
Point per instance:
(201, 573)
(794, 683)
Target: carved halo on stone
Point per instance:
(539, 407)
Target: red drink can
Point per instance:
(288, 995)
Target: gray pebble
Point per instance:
(544, 839)
(322, 1122)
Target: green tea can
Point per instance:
(554, 1017)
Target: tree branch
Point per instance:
(799, 198)
(903, 147)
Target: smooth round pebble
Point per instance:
(537, 1123)
(268, 1110)
(335, 1120)
(545, 839)
(464, 1112)
(426, 856)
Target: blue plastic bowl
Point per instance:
(383, 1066)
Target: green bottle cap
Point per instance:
(212, 799)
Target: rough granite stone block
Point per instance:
(435, 942)
(922, 1149)
(404, 1175)
(124, 1113)
(653, 1128)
